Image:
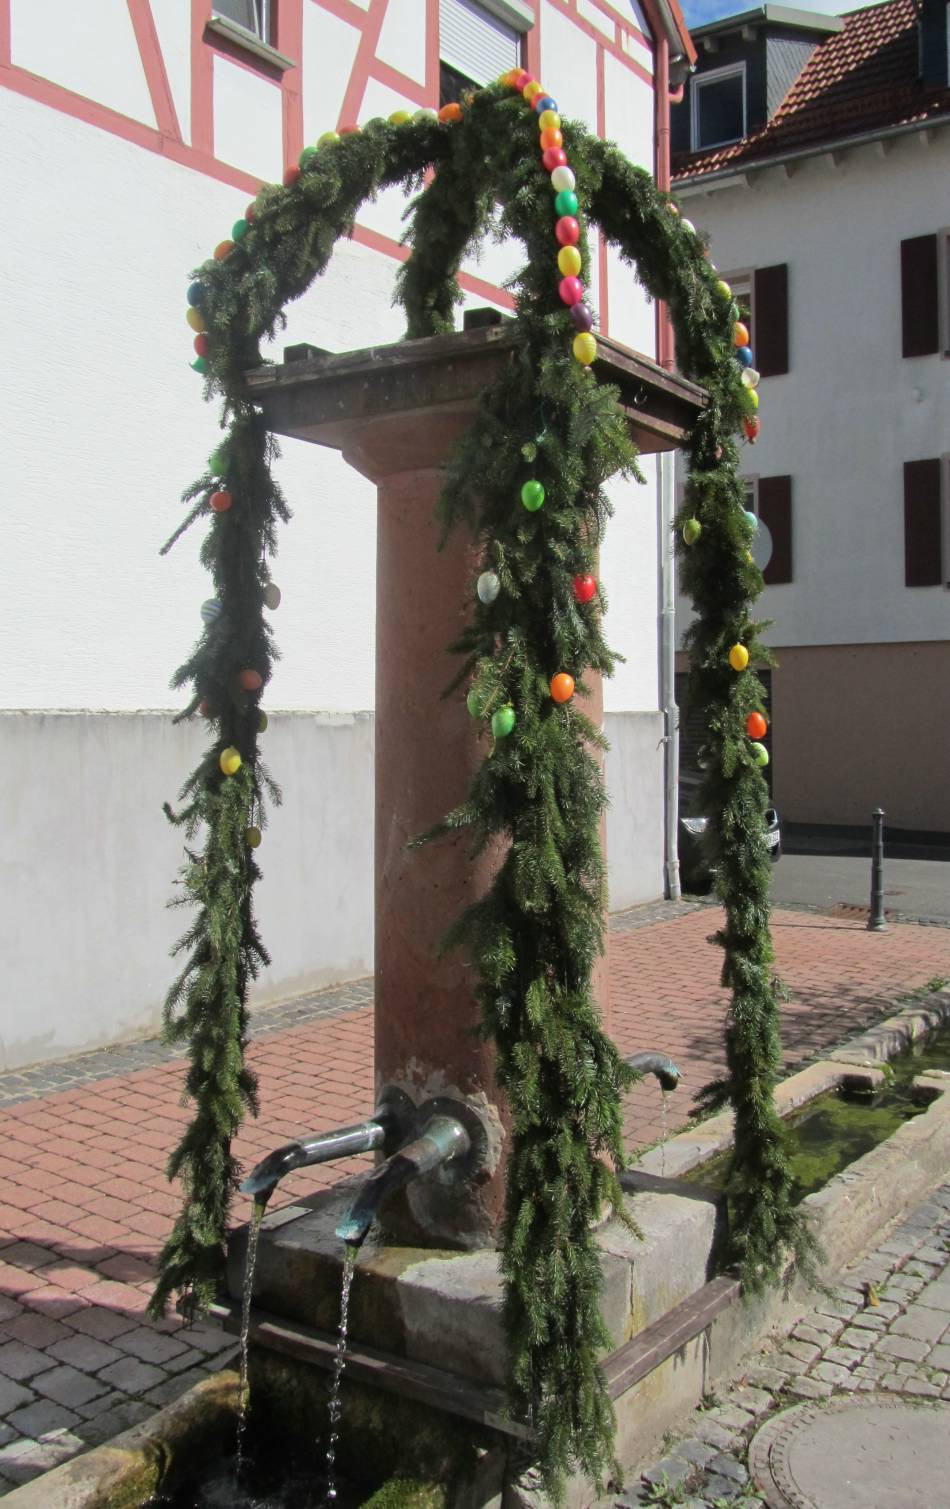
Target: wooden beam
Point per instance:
(655, 1344)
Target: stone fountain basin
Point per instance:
(128, 1470)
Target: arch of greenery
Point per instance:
(534, 937)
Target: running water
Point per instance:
(253, 1236)
(664, 1097)
(335, 1407)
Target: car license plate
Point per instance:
(771, 839)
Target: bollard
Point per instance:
(876, 923)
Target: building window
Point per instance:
(256, 16)
(762, 297)
(770, 499)
(477, 43)
(926, 505)
(925, 294)
(718, 113)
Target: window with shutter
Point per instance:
(920, 300)
(770, 308)
(475, 46)
(774, 507)
(922, 523)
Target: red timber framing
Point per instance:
(621, 38)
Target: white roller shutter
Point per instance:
(475, 42)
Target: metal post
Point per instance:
(876, 923)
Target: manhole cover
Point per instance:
(871, 1452)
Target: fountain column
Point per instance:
(396, 414)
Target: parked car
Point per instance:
(695, 871)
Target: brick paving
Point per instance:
(84, 1204)
(845, 1344)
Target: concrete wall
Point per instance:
(862, 726)
(89, 862)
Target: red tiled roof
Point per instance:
(864, 78)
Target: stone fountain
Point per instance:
(426, 1334)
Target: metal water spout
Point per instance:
(450, 1142)
(390, 1124)
(659, 1064)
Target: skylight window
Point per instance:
(718, 112)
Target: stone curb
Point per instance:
(130, 1468)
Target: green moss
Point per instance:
(408, 1493)
(383, 1437)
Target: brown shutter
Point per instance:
(922, 523)
(770, 310)
(775, 511)
(919, 305)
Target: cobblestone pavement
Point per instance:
(84, 1203)
(900, 1346)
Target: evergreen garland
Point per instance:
(534, 936)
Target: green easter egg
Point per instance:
(503, 722)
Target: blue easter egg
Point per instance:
(544, 102)
(210, 610)
(744, 356)
(195, 294)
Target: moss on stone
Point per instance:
(408, 1493)
(382, 1435)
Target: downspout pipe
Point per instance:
(665, 556)
(671, 716)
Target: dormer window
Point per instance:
(718, 113)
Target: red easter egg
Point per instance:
(222, 250)
(250, 681)
(752, 425)
(584, 588)
(551, 137)
(756, 726)
(221, 501)
(567, 231)
(202, 345)
(250, 214)
(349, 131)
(291, 175)
(562, 687)
(571, 290)
(554, 157)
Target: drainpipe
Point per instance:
(671, 717)
(666, 560)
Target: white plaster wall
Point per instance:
(329, 49)
(173, 25)
(105, 425)
(248, 120)
(89, 860)
(402, 39)
(52, 39)
(569, 66)
(851, 410)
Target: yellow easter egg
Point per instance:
(584, 348)
(252, 837)
(399, 117)
(230, 760)
(569, 261)
(738, 657)
(752, 398)
(196, 320)
(549, 120)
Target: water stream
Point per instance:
(335, 1407)
(247, 1294)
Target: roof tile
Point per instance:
(863, 78)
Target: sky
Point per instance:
(699, 11)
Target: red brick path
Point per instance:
(84, 1203)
